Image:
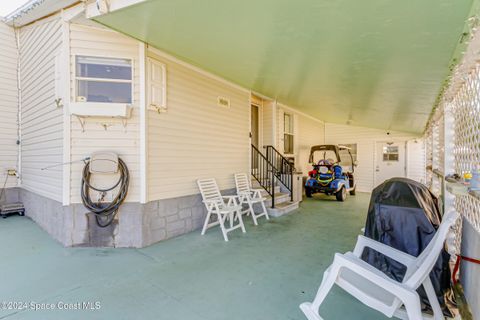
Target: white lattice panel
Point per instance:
(470, 208)
(466, 110)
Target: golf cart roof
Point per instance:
(328, 147)
(324, 147)
(336, 150)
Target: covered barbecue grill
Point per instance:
(404, 214)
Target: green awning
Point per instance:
(375, 63)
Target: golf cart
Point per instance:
(333, 171)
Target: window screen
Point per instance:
(390, 153)
(103, 80)
(288, 138)
(345, 158)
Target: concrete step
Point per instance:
(265, 193)
(256, 185)
(282, 208)
(280, 197)
(279, 187)
(283, 188)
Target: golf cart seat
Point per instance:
(330, 172)
(325, 173)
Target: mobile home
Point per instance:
(177, 103)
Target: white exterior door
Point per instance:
(390, 161)
(255, 126)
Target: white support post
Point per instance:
(449, 157)
(143, 123)
(250, 134)
(19, 111)
(65, 78)
(274, 124)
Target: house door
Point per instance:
(254, 125)
(255, 132)
(390, 161)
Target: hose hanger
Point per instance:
(104, 163)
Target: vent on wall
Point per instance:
(223, 102)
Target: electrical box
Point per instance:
(104, 162)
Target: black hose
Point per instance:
(105, 212)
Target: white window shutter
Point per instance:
(157, 85)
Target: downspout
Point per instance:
(19, 110)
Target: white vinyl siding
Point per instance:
(42, 121)
(196, 138)
(268, 119)
(416, 160)
(365, 139)
(8, 104)
(99, 42)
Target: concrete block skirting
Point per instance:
(137, 225)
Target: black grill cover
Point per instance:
(404, 214)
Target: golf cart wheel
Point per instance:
(342, 194)
(352, 192)
(308, 192)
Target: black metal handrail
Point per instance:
(264, 172)
(283, 168)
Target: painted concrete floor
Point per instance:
(263, 274)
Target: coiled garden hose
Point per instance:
(105, 212)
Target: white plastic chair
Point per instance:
(222, 206)
(378, 291)
(250, 196)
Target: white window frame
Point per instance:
(77, 78)
(388, 153)
(292, 133)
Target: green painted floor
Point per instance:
(263, 274)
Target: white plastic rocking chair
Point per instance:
(250, 196)
(222, 206)
(378, 291)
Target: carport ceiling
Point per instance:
(375, 63)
